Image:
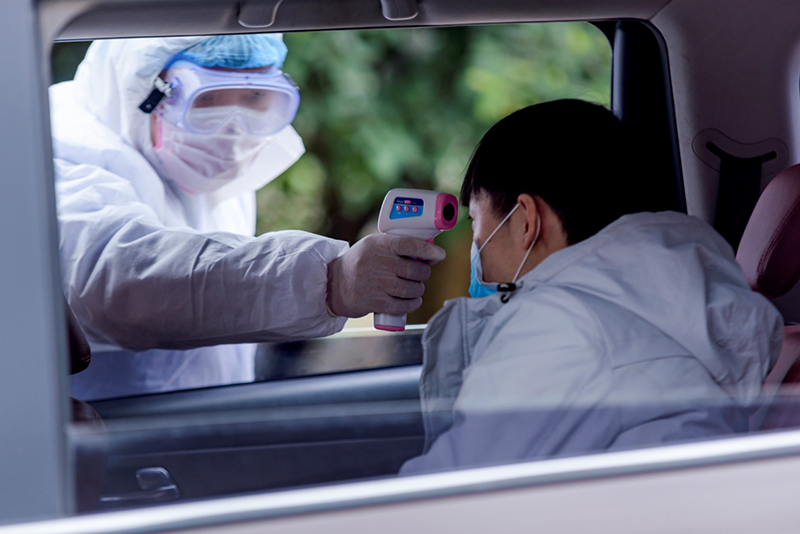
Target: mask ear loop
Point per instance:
(504, 298)
(510, 213)
(530, 248)
(475, 260)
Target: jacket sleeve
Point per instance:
(138, 284)
(536, 389)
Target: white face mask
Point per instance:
(199, 163)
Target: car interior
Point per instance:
(716, 120)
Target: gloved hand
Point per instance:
(381, 274)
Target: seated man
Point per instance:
(600, 327)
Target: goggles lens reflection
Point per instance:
(263, 112)
(256, 99)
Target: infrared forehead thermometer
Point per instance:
(414, 213)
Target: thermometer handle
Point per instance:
(390, 323)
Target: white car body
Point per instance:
(734, 67)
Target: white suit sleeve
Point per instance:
(138, 284)
(535, 390)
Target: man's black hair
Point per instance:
(575, 155)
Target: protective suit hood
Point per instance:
(117, 75)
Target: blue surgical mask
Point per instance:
(477, 287)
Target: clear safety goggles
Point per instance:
(204, 101)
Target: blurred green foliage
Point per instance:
(405, 108)
(65, 59)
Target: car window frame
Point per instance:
(36, 384)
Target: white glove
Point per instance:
(381, 274)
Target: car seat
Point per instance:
(769, 254)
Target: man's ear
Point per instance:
(529, 207)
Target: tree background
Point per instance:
(405, 108)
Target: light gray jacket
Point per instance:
(646, 333)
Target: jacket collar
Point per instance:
(557, 262)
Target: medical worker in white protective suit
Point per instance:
(590, 330)
(159, 147)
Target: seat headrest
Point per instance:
(769, 252)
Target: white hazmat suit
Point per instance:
(643, 334)
(156, 275)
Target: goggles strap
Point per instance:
(160, 90)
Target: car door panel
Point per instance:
(255, 437)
